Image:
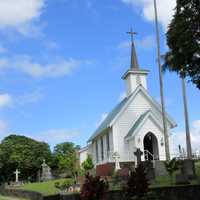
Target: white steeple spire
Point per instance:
(134, 76)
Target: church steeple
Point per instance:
(134, 76)
(134, 61)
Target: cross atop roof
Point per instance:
(131, 33)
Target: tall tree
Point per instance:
(25, 154)
(183, 39)
(66, 155)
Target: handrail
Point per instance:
(146, 155)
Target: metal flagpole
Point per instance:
(187, 128)
(166, 137)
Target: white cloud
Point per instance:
(20, 14)
(147, 42)
(3, 126)
(165, 9)
(31, 97)
(178, 138)
(102, 118)
(55, 136)
(5, 100)
(2, 49)
(3, 129)
(25, 64)
(50, 44)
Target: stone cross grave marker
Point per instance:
(138, 155)
(46, 172)
(17, 172)
(116, 157)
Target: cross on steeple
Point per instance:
(131, 33)
(134, 61)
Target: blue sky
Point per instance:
(61, 63)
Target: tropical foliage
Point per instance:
(88, 164)
(171, 167)
(183, 39)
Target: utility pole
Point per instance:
(187, 127)
(166, 136)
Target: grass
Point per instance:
(48, 188)
(163, 181)
(9, 198)
(45, 188)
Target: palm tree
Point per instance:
(168, 65)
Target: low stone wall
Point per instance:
(21, 194)
(70, 197)
(189, 192)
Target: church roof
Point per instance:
(137, 123)
(106, 123)
(140, 120)
(121, 106)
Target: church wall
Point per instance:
(105, 151)
(134, 80)
(123, 124)
(150, 126)
(83, 153)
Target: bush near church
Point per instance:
(94, 188)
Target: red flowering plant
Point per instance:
(94, 188)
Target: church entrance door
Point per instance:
(151, 147)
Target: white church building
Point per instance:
(136, 122)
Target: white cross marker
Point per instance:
(17, 172)
(116, 157)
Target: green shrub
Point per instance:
(172, 166)
(64, 185)
(94, 188)
(137, 184)
(88, 164)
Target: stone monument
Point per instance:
(138, 155)
(116, 157)
(17, 172)
(46, 172)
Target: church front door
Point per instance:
(151, 147)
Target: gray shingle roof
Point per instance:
(111, 116)
(105, 124)
(137, 123)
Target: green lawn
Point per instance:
(166, 181)
(46, 188)
(9, 198)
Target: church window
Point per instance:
(108, 144)
(97, 152)
(102, 150)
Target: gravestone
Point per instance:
(17, 172)
(46, 172)
(138, 155)
(188, 168)
(116, 157)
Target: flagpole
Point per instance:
(166, 137)
(187, 127)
